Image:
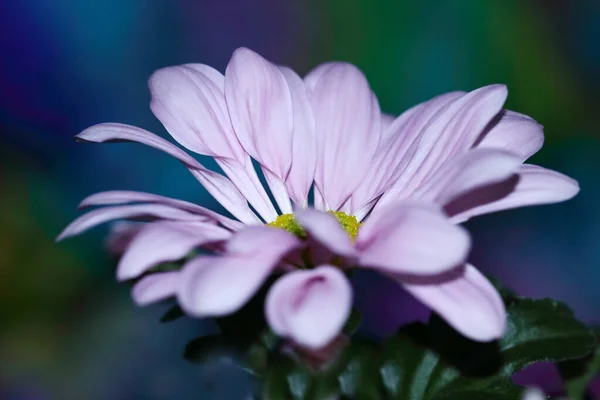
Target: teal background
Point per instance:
(69, 331)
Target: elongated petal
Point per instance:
(215, 286)
(395, 152)
(516, 133)
(477, 168)
(326, 229)
(533, 185)
(164, 241)
(348, 129)
(304, 143)
(189, 100)
(412, 239)
(217, 185)
(466, 300)
(452, 131)
(246, 180)
(124, 196)
(102, 215)
(260, 107)
(310, 307)
(155, 287)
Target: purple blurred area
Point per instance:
(69, 331)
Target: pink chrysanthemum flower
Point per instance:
(388, 194)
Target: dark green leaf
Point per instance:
(353, 322)
(208, 347)
(435, 362)
(172, 314)
(578, 374)
(359, 378)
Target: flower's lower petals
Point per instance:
(310, 307)
(102, 215)
(413, 239)
(466, 300)
(534, 394)
(326, 229)
(213, 286)
(533, 185)
(165, 241)
(155, 287)
(516, 133)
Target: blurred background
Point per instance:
(69, 331)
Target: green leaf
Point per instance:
(436, 362)
(172, 314)
(353, 322)
(359, 378)
(577, 374)
(206, 348)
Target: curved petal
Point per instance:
(348, 129)
(102, 215)
(311, 307)
(217, 185)
(155, 287)
(304, 143)
(516, 133)
(120, 235)
(215, 286)
(189, 100)
(466, 300)
(260, 107)
(533, 185)
(477, 168)
(412, 239)
(326, 229)
(164, 241)
(396, 150)
(452, 131)
(126, 196)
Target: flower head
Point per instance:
(388, 194)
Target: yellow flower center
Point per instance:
(288, 222)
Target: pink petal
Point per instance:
(386, 121)
(164, 241)
(348, 128)
(533, 185)
(124, 196)
(120, 235)
(516, 133)
(475, 169)
(326, 229)
(155, 287)
(217, 185)
(534, 394)
(466, 300)
(260, 107)
(452, 131)
(221, 285)
(395, 152)
(304, 143)
(102, 215)
(310, 307)
(412, 239)
(189, 100)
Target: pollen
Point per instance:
(289, 223)
(348, 222)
